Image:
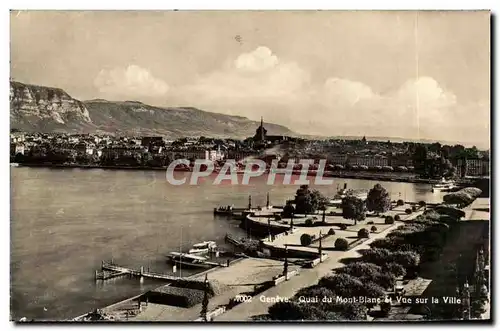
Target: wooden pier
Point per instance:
(111, 270)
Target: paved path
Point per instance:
(236, 279)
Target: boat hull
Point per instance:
(188, 265)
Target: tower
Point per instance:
(262, 137)
(260, 133)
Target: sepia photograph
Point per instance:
(254, 166)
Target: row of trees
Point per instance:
(71, 157)
(309, 201)
(462, 198)
(397, 255)
(355, 208)
(433, 164)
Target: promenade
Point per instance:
(238, 278)
(307, 277)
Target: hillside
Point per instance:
(136, 118)
(48, 109)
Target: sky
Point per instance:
(415, 75)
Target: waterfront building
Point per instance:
(189, 154)
(214, 155)
(370, 161)
(338, 159)
(17, 148)
(473, 167)
(239, 155)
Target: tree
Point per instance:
(360, 269)
(331, 309)
(294, 311)
(385, 307)
(407, 259)
(395, 269)
(363, 233)
(460, 199)
(378, 256)
(472, 191)
(353, 208)
(450, 211)
(389, 220)
(341, 244)
(419, 159)
(308, 201)
(288, 210)
(343, 285)
(372, 290)
(378, 199)
(400, 202)
(305, 239)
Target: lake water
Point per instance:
(64, 222)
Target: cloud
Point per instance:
(345, 91)
(260, 83)
(260, 59)
(132, 81)
(258, 75)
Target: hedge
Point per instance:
(341, 244)
(305, 239)
(363, 233)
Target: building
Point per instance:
(259, 139)
(473, 167)
(152, 141)
(214, 155)
(239, 155)
(338, 159)
(17, 149)
(370, 161)
(189, 154)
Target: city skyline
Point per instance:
(415, 75)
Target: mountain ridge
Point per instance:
(50, 109)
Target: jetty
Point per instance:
(111, 270)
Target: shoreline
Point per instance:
(386, 177)
(135, 297)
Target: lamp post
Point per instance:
(320, 248)
(269, 228)
(466, 294)
(285, 266)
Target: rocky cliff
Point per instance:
(41, 108)
(47, 109)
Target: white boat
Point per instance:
(187, 260)
(444, 186)
(203, 247)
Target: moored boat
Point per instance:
(444, 186)
(203, 247)
(188, 260)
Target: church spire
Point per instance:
(262, 133)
